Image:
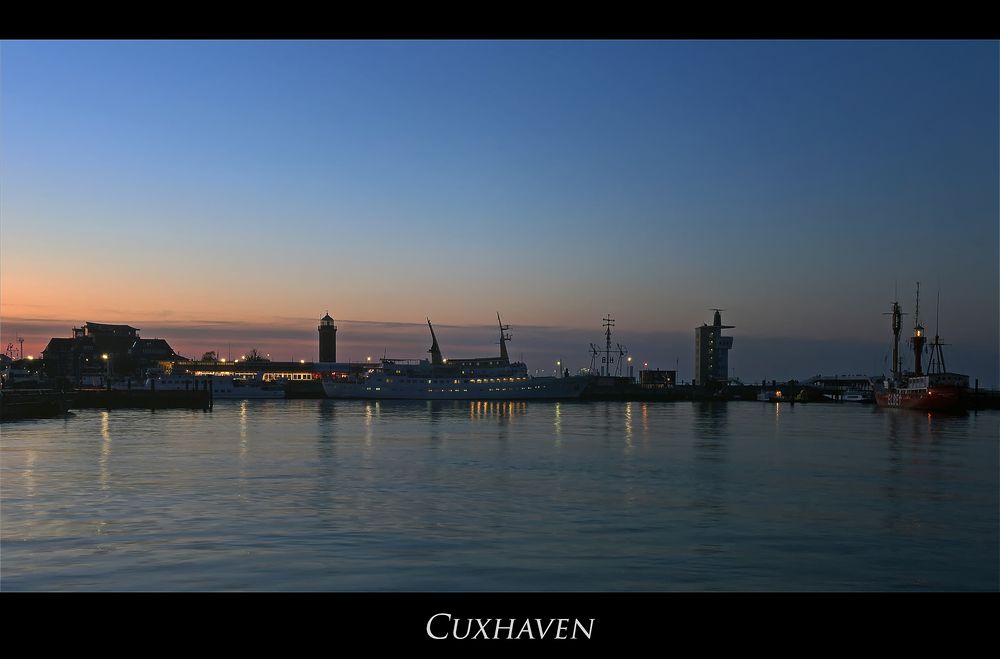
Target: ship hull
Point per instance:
(937, 398)
(222, 388)
(532, 389)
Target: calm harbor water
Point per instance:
(526, 496)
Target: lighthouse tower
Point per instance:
(918, 339)
(327, 339)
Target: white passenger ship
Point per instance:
(486, 378)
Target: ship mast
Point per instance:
(504, 337)
(609, 322)
(436, 358)
(935, 363)
(897, 326)
(918, 339)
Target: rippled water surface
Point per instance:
(538, 496)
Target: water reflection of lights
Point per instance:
(243, 430)
(482, 409)
(628, 424)
(645, 418)
(105, 473)
(29, 474)
(558, 422)
(369, 419)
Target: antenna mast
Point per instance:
(609, 322)
(937, 315)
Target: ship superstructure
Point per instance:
(480, 378)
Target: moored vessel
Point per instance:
(482, 378)
(220, 387)
(936, 389)
(852, 396)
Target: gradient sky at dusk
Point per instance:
(232, 192)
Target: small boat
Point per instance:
(852, 396)
(19, 377)
(773, 396)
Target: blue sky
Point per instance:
(791, 183)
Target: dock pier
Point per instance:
(150, 399)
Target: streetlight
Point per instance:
(107, 364)
(559, 368)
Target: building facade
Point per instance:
(711, 351)
(657, 379)
(100, 350)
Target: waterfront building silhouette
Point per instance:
(711, 351)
